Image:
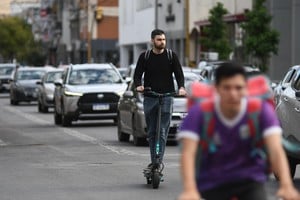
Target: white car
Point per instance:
(87, 92)
(46, 89)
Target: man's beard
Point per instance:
(160, 47)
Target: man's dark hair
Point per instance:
(228, 70)
(156, 32)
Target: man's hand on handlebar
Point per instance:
(140, 88)
(182, 92)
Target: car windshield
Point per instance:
(94, 76)
(52, 76)
(6, 70)
(30, 74)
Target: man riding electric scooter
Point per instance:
(158, 66)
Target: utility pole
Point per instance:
(187, 33)
(156, 14)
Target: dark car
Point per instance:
(88, 92)
(131, 119)
(46, 89)
(288, 111)
(23, 86)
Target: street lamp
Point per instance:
(98, 15)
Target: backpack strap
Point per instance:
(147, 54)
(170, 55)
(208, 126)
(253, 111)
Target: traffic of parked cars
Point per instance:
(102, 91)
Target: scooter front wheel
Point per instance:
(155, 179)
(149, 181)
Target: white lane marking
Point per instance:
(2, 143)
(73, 133)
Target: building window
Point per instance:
(143, 4)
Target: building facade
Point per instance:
(285, 16)
(182, 20)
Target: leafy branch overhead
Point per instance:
(17, 41)
(215, 35)
(261, 40)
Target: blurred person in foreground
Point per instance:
(222, 157)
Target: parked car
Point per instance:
(23, 85)
(208, 71)
(46, 89)
(131, 119)
(123, 71)
(6, 71)
(88, 92)
(285, 82)
(288, 111)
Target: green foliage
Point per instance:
(215, 35)
(17, 41)
(260, 41)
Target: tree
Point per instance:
(215, 35)
(17, 41)
(260, 39)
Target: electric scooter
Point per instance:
(154, 176)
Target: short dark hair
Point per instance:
(156, 32)
(228, 70)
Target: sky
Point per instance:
(4, 7)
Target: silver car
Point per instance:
(87, 92)
(288, 110)
(131, 118)
(46, 89)
(6, 73)
(23, 86)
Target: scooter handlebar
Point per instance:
(148, 91)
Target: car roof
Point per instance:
(32, 68)
(7, 65)
(294, 67)
(92, 66)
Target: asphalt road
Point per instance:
(42, 161)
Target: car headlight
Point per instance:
(69, 93)
(120, 93)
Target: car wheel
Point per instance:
(45, 109)
(12, 102)
(39, 106)
(138, 141)
(122, 137)
(57, 117)
(65, 120)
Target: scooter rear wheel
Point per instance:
(155, 179)
(149, 181)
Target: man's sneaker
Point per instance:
(148, 169)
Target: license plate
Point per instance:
(100, 107)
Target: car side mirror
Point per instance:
(128, 94)
(285, 85)
(39, 82)
(58, 83)
(128, 79)
(297, 94)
